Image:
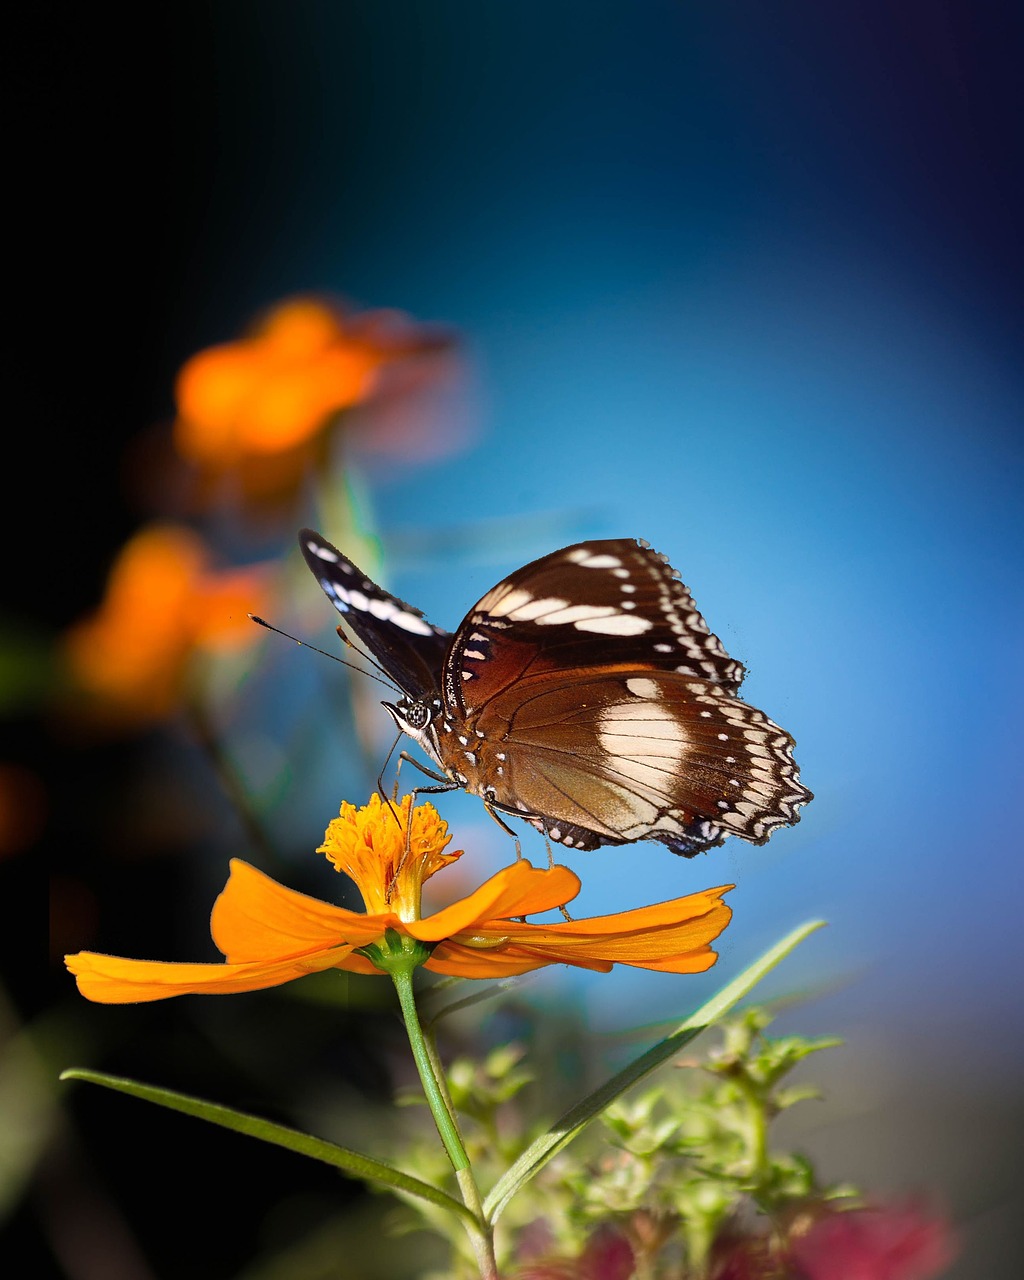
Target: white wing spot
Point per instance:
(410, 622)
(641, 688)
(649, 738)
(590, 560)
(619, 624)
(576, 613)
(532, 609)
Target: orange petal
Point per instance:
(255, 918)
(458, 961)
(517, 890)
(688, 962)
(114, 980)
(641, 919)
(694, 917)
(650, 938)
(211, 388)
(681, 947)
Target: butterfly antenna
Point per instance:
(349, 643)
(262, 622)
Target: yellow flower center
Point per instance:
(389, 862)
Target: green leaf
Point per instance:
(587, 1109)
(304, 1144)
(432, 994)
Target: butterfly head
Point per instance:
(416, 717)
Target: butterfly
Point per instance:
(584, 694)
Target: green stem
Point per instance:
(443, 1118)
(757, 1128)
(435, 1088)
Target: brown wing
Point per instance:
(613, 604)
(600, 758)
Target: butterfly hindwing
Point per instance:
(644, 755)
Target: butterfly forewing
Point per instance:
(409, 648)
(611, 604)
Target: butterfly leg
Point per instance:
(507, 830)
(551, 863)
(438, 777)
(444, 784)
(402, 755)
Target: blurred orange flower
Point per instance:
(271, 392)
(270, 935)
(162, 602)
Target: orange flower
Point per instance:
(273, 391)
(161, 602)
(270, 935)
(266, 393)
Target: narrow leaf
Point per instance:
(490, 992)
(352, 1162)
(578, 1117)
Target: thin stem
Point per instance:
(438, 1099)
(757, 1127)
(443, 1118)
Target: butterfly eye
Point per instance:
(417, 715)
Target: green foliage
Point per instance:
(672, 1167)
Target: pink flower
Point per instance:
(893, 1242)
(607, 1256)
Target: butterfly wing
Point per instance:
(614, 603)
(409, 648)
(613, 707)
(642, 755)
